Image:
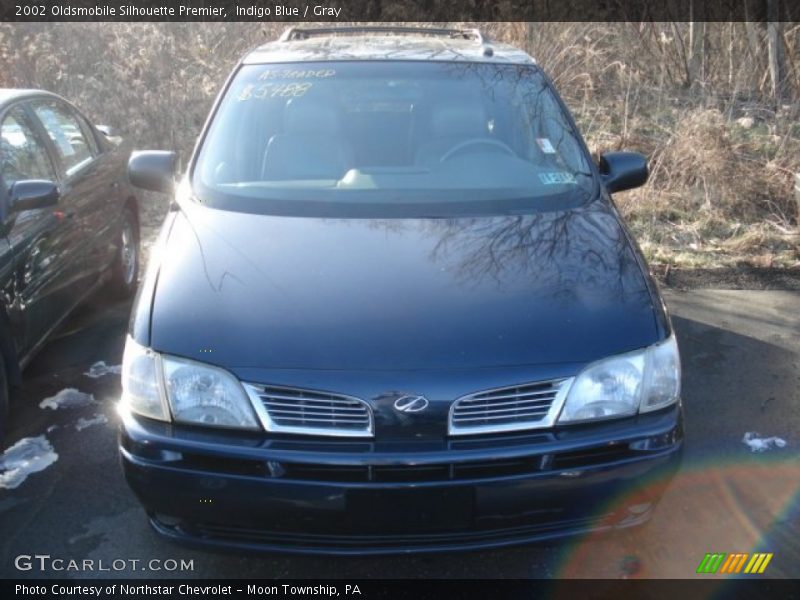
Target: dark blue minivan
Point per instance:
(394, 309)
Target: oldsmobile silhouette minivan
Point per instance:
(394, 309)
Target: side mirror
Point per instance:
(108, 131)
(153, 170)
(112, 134)
(623, 170)
(31, 194)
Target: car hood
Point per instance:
(272, 292)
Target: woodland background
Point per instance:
(713, 105)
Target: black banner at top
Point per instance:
(444, 11)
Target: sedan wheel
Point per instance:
(125, 271)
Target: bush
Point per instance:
(722, 150)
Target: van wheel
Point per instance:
(125, 269)
(3, 401)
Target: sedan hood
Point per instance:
(271, 292)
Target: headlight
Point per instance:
(623, 385)
(206, 395)
(158, 386)
(141, 392)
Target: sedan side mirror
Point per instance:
(108, 131)
(112, 134)
(623, 170)
(31, 194)
(153, 170)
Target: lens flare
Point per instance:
(738, 505)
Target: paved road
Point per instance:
(741, 354)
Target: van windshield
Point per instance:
(384, 138)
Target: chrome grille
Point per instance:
(291, 410)
(511, 408)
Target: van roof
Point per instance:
(385, 43)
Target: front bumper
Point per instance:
(241, 491)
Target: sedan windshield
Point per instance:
(384, 138)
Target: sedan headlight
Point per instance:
(623, 385)
(166, 387)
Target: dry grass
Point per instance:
(722, 153)
(719, 195)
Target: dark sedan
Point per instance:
(395, 309)
(68, 223)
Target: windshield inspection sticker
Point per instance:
(545, 145)
(557, 178)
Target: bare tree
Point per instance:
(697, 35)
(775, 50)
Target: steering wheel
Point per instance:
(458, 148)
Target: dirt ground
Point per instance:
(738, 278)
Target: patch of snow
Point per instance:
(27, 456)
(52, 428)
(98, 419)
(757, 444)
(68, 398)
(100, 368)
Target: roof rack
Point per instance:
(301, 33)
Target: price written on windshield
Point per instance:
(263, 91)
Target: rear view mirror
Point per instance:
(153, 170)
(31, 194)
(623, 170)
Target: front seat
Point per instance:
(311, 146)
(452, 123)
